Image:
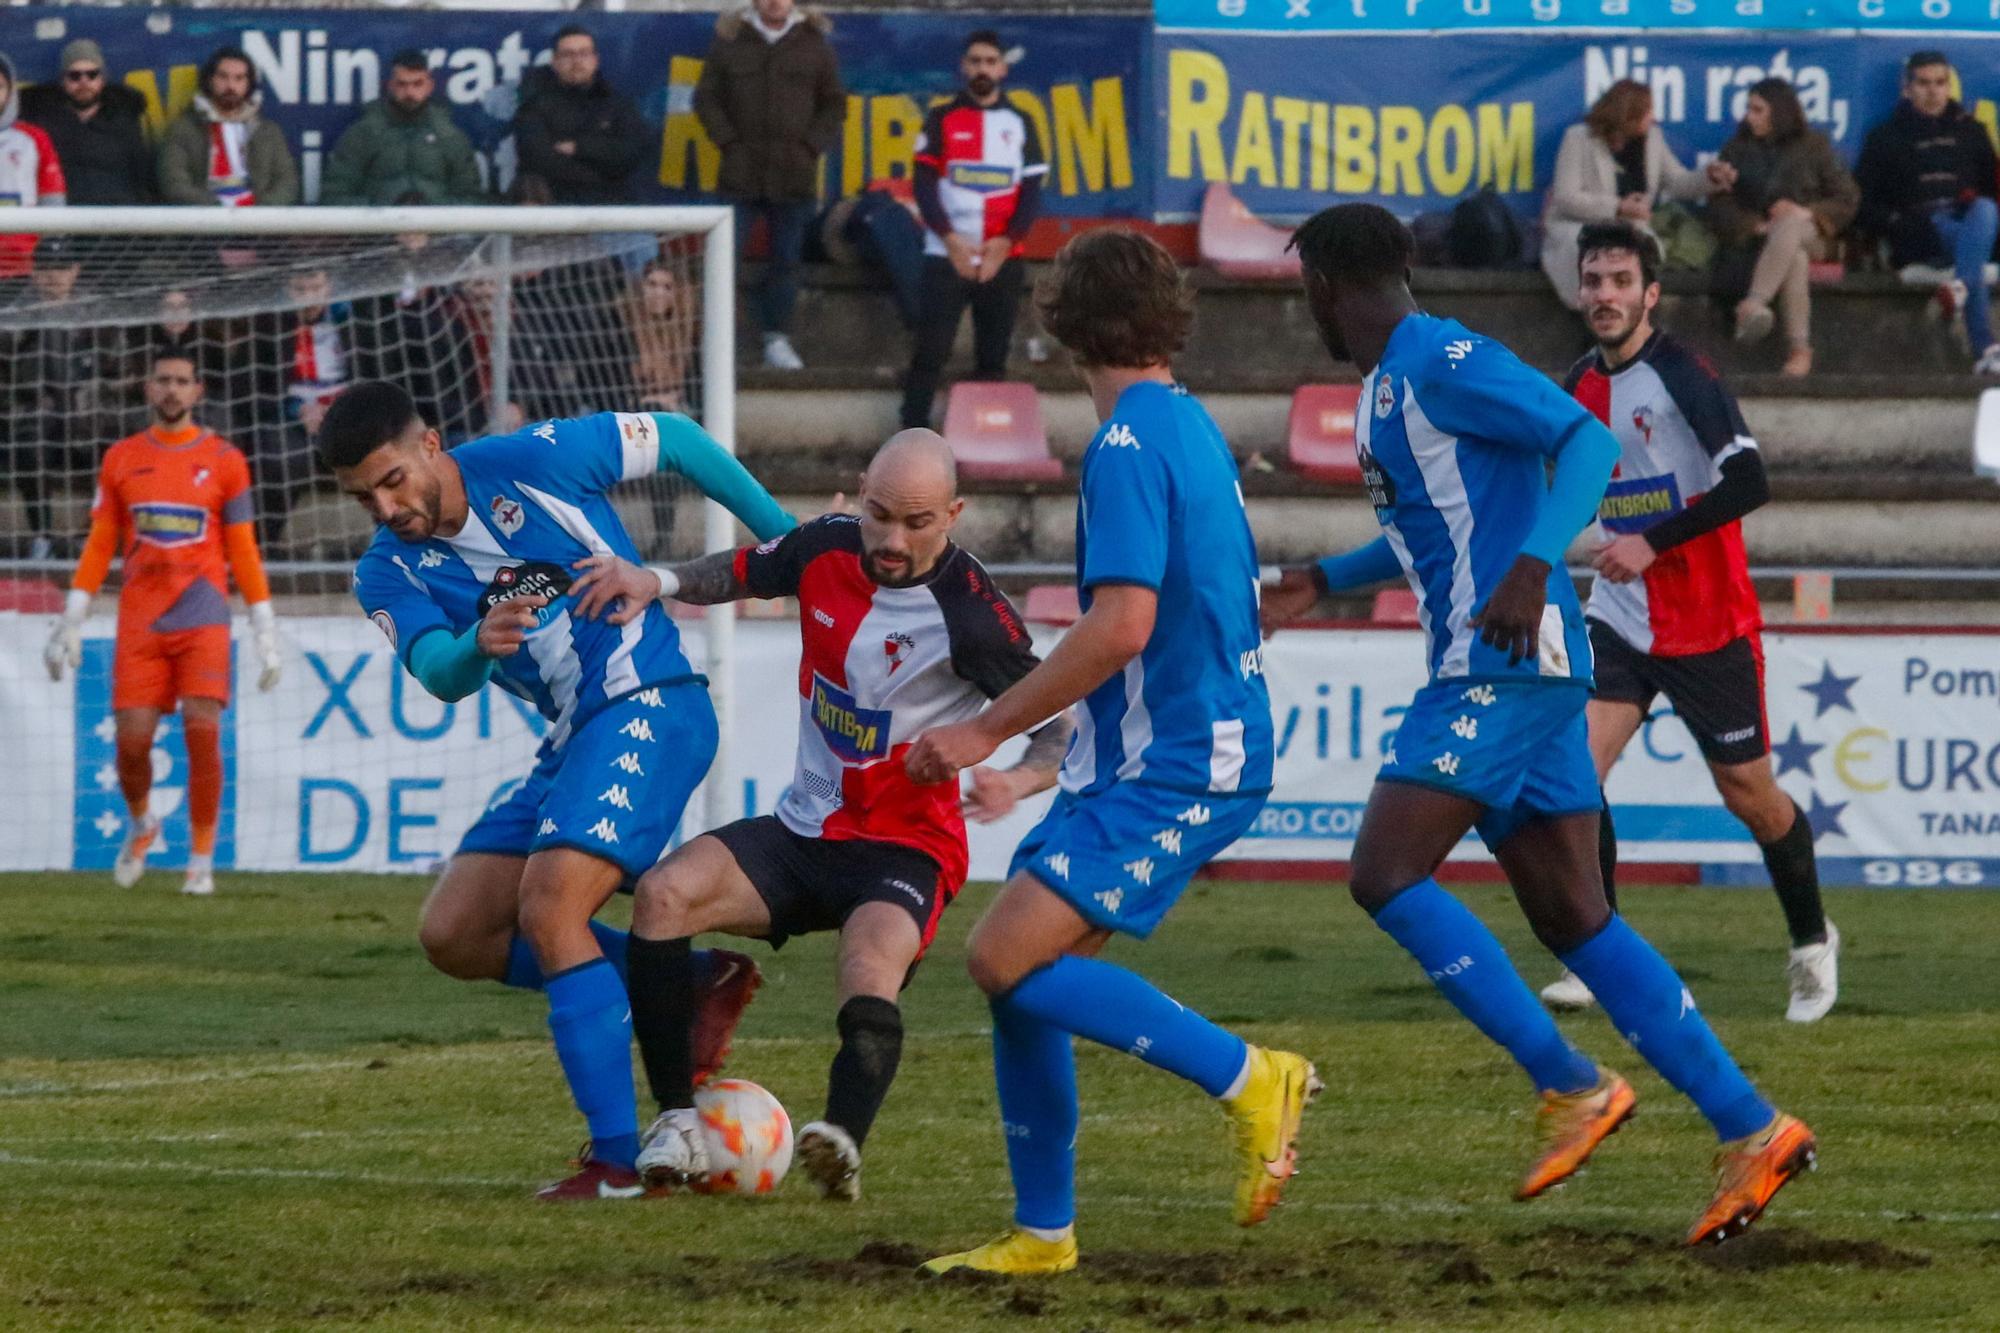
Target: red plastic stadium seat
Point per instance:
(1053, 604)
(1395, 606)
(1826, 274)
(1236, 245)
(1319, 438)
(32, 596)
(995, 432)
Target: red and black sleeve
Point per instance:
(775, 568)
(990, 645)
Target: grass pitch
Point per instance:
(264, 1111)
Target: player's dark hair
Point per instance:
(1355, 245)
(1924, 60)
(214, 62)
(1623, 238)
(569, 30)
(411, 58)
(1116, 298)
(175, 354)
(982, 37)
(361, 419)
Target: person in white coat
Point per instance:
(1613, 164)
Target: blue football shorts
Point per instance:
(1121, 856)
(616, 790)
(1519, 748)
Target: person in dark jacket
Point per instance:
(770, 98)
(1928, 179)
(98, 129)
(576, 132)
(404, 146)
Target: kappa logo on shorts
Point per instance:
(1447, 764)
(1140, 870)
(1169, 840)
(1483, 695)
(1058, 863)
(548, 827)
(508, 516)
(1111, 898)
(650, 697)
(1194, 816)
(604, 830)
(1466, 728)
(639, 729)
(617, 796)
(630, 763)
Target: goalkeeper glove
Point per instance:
(264, 635)
(65, 646)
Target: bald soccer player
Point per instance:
(901, 631)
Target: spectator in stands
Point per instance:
(1788, 198)
(880, 228)
(771, 99)
(174, 330)
(577, 132)
(30, 172)
(662, 328)
(98, 128)
(299, 360)
(221, 151)
(979, 170)
(1927, 177)
(59, 404)
(404, 147)
(419, 336)
(1614, 164)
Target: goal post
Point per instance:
(496, 315)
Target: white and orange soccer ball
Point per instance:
(748, 1134)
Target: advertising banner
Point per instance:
(1890, 743)
(1918, 18)
(1080, 80)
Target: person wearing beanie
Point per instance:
(98, 129)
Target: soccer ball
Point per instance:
(749, 1137)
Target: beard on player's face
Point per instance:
(1612, 321)
(982, 85)
(895, 569)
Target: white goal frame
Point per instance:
(715, 223)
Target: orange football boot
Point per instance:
(1749, 1172)
(1570, 1125)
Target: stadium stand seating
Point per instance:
(1394, 606)
(996, 433)
(1236, 244)
(1052, 604)
(1319, 434)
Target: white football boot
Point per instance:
(131, 862)
(1567, 993)
(1813, 973)
(830, 1156)
(673, 1154)
(200, 881)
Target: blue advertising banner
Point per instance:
(1295, 121)
(1080, 80)
(1945, 17)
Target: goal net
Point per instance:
(493, 319)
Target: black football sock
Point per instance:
(871, 1046)
(1795, 876)
(1607, 855)
(659, 976)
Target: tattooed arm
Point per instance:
(620, 591)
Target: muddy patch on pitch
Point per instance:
(876, 1261)
(1762, 1251)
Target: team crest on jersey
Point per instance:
(1385, 396)
(537, 578)
(163, 524)
(898, 647)
(854, 734)
(1642, 418)
(508, 516)
(201, 476)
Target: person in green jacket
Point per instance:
(404, 144)
(220, 150)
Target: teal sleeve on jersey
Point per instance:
(1585, 461)
(689, 450)
(1372, 563)
(450, 666)
(1126, 499)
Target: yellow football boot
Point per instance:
(1017, 1254)
(1266, 1115)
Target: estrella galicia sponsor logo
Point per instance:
(1381, 486)
(1633, 504)
(537, 578)
(855, 734)
(982, 176)
(162, 524)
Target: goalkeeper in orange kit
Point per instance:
(174, 500)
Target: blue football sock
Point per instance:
(592, 1025)
(1123, 1010)
(1466, 963)
(1035, 1070)
(524, 973)
(1644, 997)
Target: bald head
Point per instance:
(909, 503)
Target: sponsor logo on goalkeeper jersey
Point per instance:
(537, 578)
(855, 734)
(1633, 504)
(158, 523)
